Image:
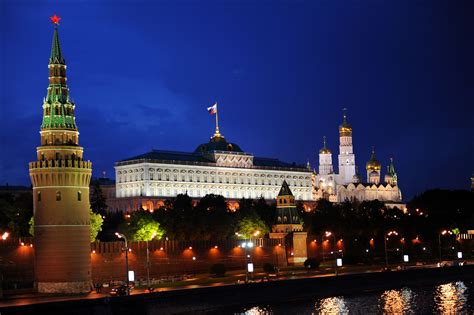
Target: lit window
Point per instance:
(79, 196)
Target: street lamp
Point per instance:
(385, 239)
(444, 232)
(247, 246)
(119, 235)
(328, 234)
(5, 235)
(148, 260)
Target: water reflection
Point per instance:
(257, 310)
(397, 301)
(450, 298)
(333, 305)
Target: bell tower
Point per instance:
(346, 155)
(60, 179)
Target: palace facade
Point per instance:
(216, 167)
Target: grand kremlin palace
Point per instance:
(217, 167)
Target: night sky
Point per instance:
(143, 72)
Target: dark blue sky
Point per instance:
(143, 72)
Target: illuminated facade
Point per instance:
(217, 167)
(60, 179)
(347, 184)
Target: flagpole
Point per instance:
(217, 121)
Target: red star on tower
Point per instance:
(55, 19)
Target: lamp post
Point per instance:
(119, 235)
(148, 260)
(444, 232)
(247, 246)
(385, 239)
(328, 234)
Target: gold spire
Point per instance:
(345, 129)
(324, 150)
(217, 134)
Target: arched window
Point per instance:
(39, 196)
(79, 196)
(58, 196)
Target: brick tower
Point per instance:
(288, 226)
(60, 179)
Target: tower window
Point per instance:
(58, 196)
(79, 196)
(39, 196)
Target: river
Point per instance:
(448, 298)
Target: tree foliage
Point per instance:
(15, 213)
(96, 224)
(251, 226)
(143, 227)
(97, 199)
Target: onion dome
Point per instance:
(373, 164)
(345, 129)
(218, 143)
(324, 149)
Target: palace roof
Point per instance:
(198, 158)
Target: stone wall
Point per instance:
(167, 258)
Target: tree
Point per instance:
(31, 228)
(143, 227)
(96, 224)
(251, 226)
(98, 200)
(15, 213)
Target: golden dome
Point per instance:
(373, 163)
(324, 149)
(345, 129)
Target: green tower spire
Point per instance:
(56, 55)
(58, 109)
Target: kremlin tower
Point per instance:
(60, 179)
(325, 160)
(346, 156)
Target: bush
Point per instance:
(311, 263)
(218, 270)
(269, 268)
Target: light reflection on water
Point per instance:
(449, 298)
(397, 301)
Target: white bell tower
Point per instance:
(347, 168)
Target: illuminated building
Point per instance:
(347, 184)
(217, 167)
(60, 179)
(288, 225)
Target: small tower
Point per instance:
(373, 169)
(60, 179)
(325, 160)
(346, 154)
(288, 225)
(391, 177)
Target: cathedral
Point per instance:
(347, 184)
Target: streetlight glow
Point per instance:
(5, 235)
